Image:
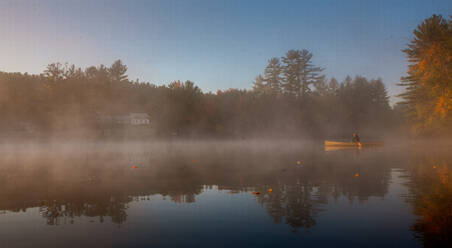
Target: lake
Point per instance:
(224, 194)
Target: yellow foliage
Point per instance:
(430, 75)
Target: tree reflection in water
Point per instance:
(295, 203)
(102, 184)
(431, 197)
(55, 211)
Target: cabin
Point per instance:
(139, 119)
(121, 119)
(128, 119)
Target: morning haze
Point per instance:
(225, 123)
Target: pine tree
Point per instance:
(259, 85)
(117, 71)
(321, 87)
(272, 76)
(379, 94)
(291, 66)
(428, 92)
(299, 72)
(333, 86)
(308, 72)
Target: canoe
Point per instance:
(340, 148)
(352, 144)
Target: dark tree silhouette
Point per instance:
(272, 76)
(299, 72)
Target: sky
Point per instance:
(218, 44)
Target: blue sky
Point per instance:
(217, 44)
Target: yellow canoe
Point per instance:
(352, 144)
(340, 148)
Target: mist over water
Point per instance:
(222, 193)
(91, 157)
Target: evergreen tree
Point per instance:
(347, 81)
(299, 72)
(308, 72)
(273, 75)
(378, 93)
(333, 86)
(321, 86)
(259, 85)
(291, 70)
(428, 93)
(117, 71)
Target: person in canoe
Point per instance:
(356, 139)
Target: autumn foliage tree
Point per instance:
(428, 95)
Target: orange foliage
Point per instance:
(430, 54)
(432, 201)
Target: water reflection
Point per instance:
(431, 188)
(90, 184)
(294, 185)
(297, 204)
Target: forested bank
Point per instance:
(69, 101)
(290, 99)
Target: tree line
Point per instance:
(291, 100)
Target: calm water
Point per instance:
(204, 195)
